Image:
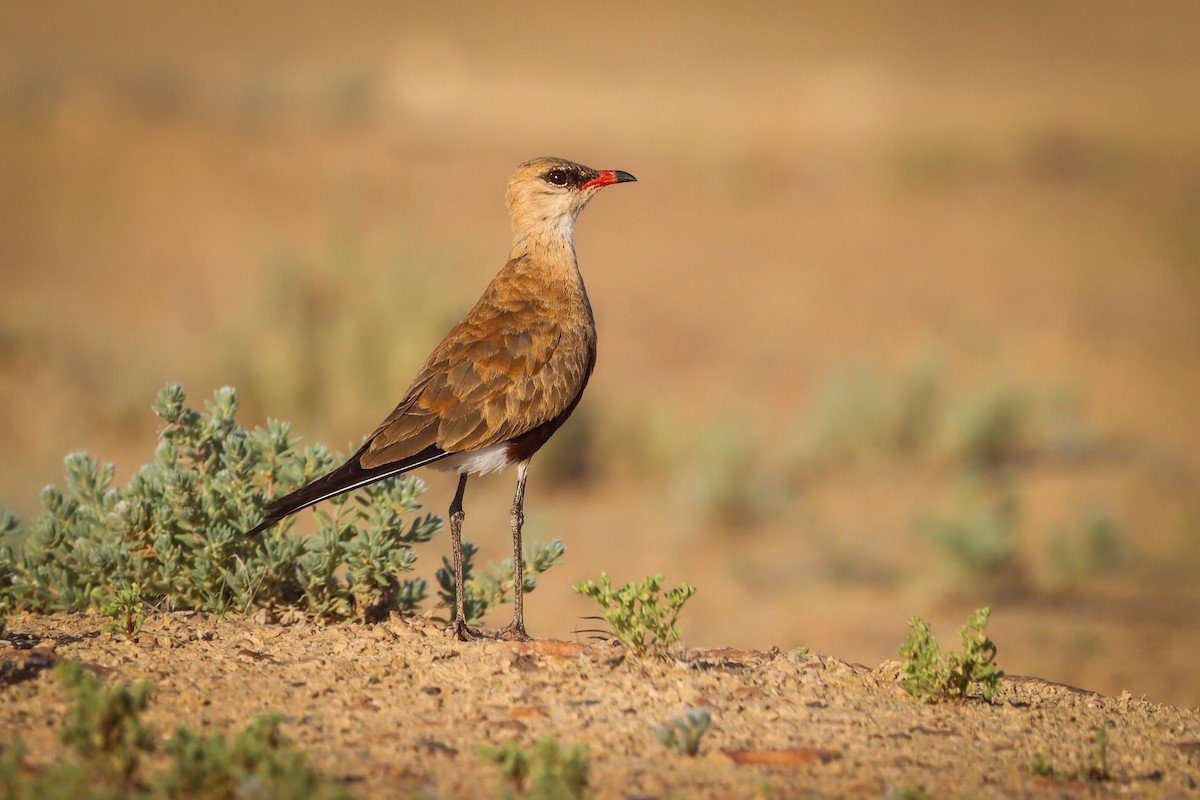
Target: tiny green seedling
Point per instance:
(1040, 767)
(908, 793)
(683, 732)
(636, 614)
(933, 677)
(1095, 772)
(125, 610)
(1098, 770)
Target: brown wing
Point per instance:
(518, 360)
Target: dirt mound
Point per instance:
(398, 708)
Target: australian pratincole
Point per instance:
(503, 380)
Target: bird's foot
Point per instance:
(460, 630)
(514, 632)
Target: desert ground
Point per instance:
(397, 709)
(902, 316)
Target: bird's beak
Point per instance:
(607, 177)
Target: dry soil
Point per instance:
(398, 709)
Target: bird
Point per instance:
(502, 381)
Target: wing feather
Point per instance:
(517, 361)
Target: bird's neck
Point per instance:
(549, 246)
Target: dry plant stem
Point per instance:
(516, 629)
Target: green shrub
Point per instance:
(909, 793)
(731, 485)
(683, 732)
(325, 347)
(8, 524)
(933, 677)
(544, 773)
(258, 762)
(104, 725)
(980, 536)
(1094, 547)
(108, 741)
(175, 532)
(1040, 767)
(635, 611)
(859, 412)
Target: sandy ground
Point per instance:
(300, 203)
(397, 710)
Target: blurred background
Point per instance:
(902, 316)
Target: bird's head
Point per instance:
(547, 194)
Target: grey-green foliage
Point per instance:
(732, 486)
(935, 677)
(980, 535)
(1094, 546)
(683, 732)
(1098, 769)
(860, 412)
(635, 612)
(104, 725)
(109, 743)
(1040, 767)
(989, 425)
(908, 793)
(369, 538)
(321, 343)
(486, 591)
(544, 773)
(257, 762)
(8, 525)
(176, 529)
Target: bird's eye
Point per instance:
(557, 176)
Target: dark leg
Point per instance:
(459, 627)
(516, 628)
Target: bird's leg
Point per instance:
(459, 627)
(516, 628)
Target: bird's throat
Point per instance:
(549, 248)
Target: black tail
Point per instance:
(348, 477)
